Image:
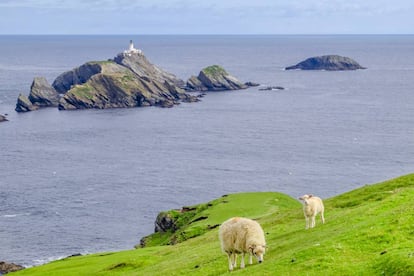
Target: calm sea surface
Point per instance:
(94, 180)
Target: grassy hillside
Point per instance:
(368, 231)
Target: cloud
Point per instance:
(213, 16)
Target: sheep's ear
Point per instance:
(311, 195)
(251, 247)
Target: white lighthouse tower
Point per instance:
(131, 50)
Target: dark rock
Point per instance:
(9, 267)
(164, 222)
(251, 84)
(74, 255)
(24, 104)
(194, 84)
(214, 78)
(328, 62)
(3, 118)
(269, 88)
(42, 93)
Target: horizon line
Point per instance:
(195, 34)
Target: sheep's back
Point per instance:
(237, 233)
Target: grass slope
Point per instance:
(368, 231)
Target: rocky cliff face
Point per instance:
(328, 62)
(79, 75)
(41, 95)
(214, 78)
(128, 80)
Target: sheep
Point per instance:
(239, 236)
(312, 206)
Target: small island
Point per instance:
(328, 63)
(214, 78)
(128, 80)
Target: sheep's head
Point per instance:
(258, 251)
(305, 198)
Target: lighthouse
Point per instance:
(131, 50)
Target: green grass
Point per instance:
(368, 231)
(214, 70)
(83, 91)
(202, 218)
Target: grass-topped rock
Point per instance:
(214, 78)
(368, 231)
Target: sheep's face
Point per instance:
(305, 198)
(258, 251)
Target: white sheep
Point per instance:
(239, 236)
(313, 205)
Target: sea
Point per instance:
(88, 181)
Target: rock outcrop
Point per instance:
(328, 62)
(9, 267)
(270, 88)
(42, 94)
(3, 118)
(164, 222)
(214, 78)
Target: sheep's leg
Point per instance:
(231, 258)
(234, 260)
(313, 221)
(242, 261)
(322, 217)
(307, 222)
(250, 258)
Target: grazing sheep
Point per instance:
(312, 206)
(239, 236)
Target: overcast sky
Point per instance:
(206, 17)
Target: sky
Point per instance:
(207, 17)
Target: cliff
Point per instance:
(328, 62)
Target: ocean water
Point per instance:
(94, 180)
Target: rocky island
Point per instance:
(128, 80)
(214, 78)
(328, 62)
